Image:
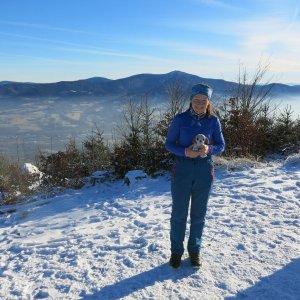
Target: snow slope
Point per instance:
(111, 241)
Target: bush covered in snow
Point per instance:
(293, 160)
(69, 167)
(239, 163)
(14, 182)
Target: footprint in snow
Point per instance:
(271, 245)
(141, 224)
(140, 242)
(42, 294)
(227, 221)
(278, 181)
(48, 273)
(121, 208)
(222, 285)
(278, 241)
(128, 262)
(153, 247)
(94, 219)
(241, 247)
(289, 188)
(275, 223)
(261, 231)
(114, 234)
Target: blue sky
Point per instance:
(49, 41)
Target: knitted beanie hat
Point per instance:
(202, 89)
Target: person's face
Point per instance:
(200, 103)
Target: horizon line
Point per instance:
(174, 71)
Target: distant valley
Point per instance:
(44, 116)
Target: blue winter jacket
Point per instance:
(185, 127)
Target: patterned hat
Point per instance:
(202, 89)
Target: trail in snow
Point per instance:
(111, 241)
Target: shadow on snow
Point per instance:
(141, 281)
(284, 284)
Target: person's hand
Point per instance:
(189, 152)
(203, 150)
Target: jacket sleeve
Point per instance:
(171, 143)
(218, 143)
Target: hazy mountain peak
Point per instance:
(139, 84)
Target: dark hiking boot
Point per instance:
(175, 260)
(195, 260)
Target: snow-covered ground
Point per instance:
(111, 241)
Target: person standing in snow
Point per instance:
(193, 171)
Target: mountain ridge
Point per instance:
(134, 85)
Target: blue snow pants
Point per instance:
(191, 182)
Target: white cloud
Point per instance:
(101, 52)
(277, 37)
(78, 48)
(32, 38)
(43, 27)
